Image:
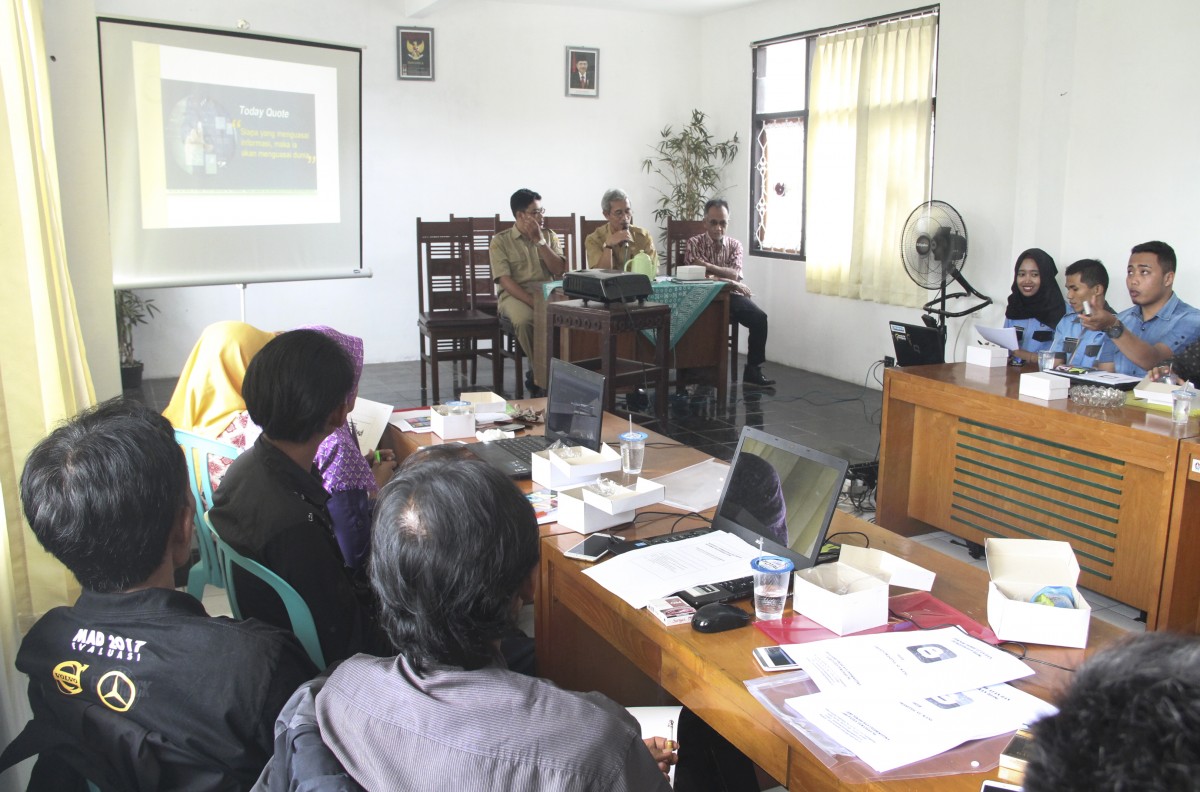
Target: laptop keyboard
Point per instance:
(524, 445)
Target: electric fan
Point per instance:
(933, 248)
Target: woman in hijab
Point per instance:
(1036, 303)
(208, 396)
(351, 478)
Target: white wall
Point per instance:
(1061, 124)
(494, 119)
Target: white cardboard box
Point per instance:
(987, 356)
(452, 427)
(852, 594)
(584, 511)
(485, 402)
(1019, 569)
(551, 470)
(1047, 387)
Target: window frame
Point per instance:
(757, 119)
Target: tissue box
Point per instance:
(988, 356)
(852, 594)
(1047, 387)
(551, 470)
(451, 427)
(485, 402)
(1019, 568)
(586, 512)
(690, 272)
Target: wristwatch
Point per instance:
(1116, 331)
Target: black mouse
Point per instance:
(718, 617)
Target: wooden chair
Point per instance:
(678, 233)
(567, 232)
(482, 231)
(299, 615)
(196, 451)
(586, 227)
(448, 317)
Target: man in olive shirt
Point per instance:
(523, 258)
(611, 245)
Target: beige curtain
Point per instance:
(868, 157)
(43, 373)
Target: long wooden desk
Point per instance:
(589, 639)
(961, 451)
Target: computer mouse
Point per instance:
(718, 617)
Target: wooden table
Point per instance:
(961, 451)
(589, 639)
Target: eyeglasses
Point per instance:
(535, 212)
(622, 212)
(721, 223)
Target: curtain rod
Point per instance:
(911, 14)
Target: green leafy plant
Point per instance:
(131, 310)
(690, 161)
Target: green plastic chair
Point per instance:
(297, 609)
(196, 450)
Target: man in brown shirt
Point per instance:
(613, 244)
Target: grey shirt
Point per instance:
(489, 730)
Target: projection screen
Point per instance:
(231, 158)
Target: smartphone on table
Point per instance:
(592, 548)
(774, 658)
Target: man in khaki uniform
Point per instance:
(613, 244)
(523, 258)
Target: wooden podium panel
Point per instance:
(961, 451)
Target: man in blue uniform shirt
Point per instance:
(1087, 283)
(1159, 324)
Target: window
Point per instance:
(843, 151)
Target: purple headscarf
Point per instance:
(342, 465)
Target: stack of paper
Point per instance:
(896, 698)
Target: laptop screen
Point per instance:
(917, 345)
(783, 492)
(575, 405)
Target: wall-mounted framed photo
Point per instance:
(583, 72)
(414, 53)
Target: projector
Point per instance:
(606, 286)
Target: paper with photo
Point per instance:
(889, 734)
(925, 663)
(417, 421)
(367, 420)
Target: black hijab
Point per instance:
(1047, 304)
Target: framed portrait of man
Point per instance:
(583, 72)
(414, 53)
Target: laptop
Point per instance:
(574, 415)
(917, 345)
(778, 492)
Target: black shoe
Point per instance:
(534, 391)
(753, 376)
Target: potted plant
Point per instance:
(690, 160)
(131, 310)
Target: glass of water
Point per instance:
(633, 452)
(772, 574)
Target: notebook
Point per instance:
(574, 415)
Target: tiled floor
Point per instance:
(837, 417)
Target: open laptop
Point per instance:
(777, 491)
(574, 415)
(917, 345)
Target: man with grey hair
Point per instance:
(613, 244)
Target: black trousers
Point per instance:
(743, 311)
(708, 762)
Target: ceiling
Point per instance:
(694, 8)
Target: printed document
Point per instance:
(367, 420)
(888, 734)
(660, 570)
(1000, 336)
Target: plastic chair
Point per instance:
(297, 609)
(196, 450)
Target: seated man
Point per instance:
(1159, 324)
(455, 551)
(135, 686)
(612, 245)
(272, 505)
(721, 257)
(1128, 721)
(1087, 282)
(523, 258)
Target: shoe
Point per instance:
(534, 391)
(753, 376)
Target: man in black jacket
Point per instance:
(135, 686)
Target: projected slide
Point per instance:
(229, 140)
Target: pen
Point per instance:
(671, 731)
(378, 458)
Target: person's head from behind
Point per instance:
(1150, 276)
(1128, 721)
(298, 386)
(107, 494)
(1087, 281)
(453, 548)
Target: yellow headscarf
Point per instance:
(209, 392)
